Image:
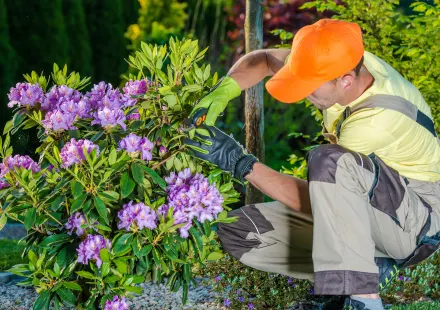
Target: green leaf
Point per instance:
(56, 269)
(111, 279)
(77, 189)
(105, 269)
(102, 210)
(8, 127)
(72, 286)
(121, 265)
(3, 220)
(18, 118)
(122, 244)
(20, 208)
(42, 301)
(67, 296)
(86, 274)
(178, 164)
(207, 228)
(156, 178)
(156, 256)
(103, 227)
(134, 289)
(226, 187)
(214, 256)
(57, 203)
(32, 257)
(62, 259)
(105, 256)
(55, 240)
(187, 272)
(192, 88)
(97, 136)
(56, 303)
(197, 237)
(112, 157)
(78, 203)
(138, 173)
(30, 218)
(127, 185)
(110, 195)
(222, 215)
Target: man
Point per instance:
(372, 198)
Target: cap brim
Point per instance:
(288, 88)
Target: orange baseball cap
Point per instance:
(321, 52)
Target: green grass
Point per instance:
(10, 254)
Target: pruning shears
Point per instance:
(196, 120)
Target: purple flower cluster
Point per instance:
(73, 151)
(108, 103)
(64, 106)
(116, 304)
(89, 249)
(191, 197)
(25, 94)
(18, 161)
(63, 98)
(109, 118)
(139, 214)
(134, 145)
(75, 222)
(136, 87)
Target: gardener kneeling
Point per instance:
(371, 202)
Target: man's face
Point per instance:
(326, 95)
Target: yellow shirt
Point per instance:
(398, 140)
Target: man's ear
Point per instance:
(347, 80)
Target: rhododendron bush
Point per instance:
(111, 199)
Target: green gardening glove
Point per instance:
(217, 100)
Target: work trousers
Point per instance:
(361, 209)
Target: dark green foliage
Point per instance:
(105, 22)
(80, 52)
(131, 12)
(38, 34)
(7, 64)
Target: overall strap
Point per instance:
(395, 103)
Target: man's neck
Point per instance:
(364, 81)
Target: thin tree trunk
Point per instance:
(254, 108)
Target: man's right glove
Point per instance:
(223, 151)
(217, 100)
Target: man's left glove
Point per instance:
(223, 151)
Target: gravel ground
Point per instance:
(13, 297)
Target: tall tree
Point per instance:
(105, 21)
(254, 108)
(7, 63)
(38, 34)
(131, 12)
(80, 51)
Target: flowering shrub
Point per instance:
(111, 199)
